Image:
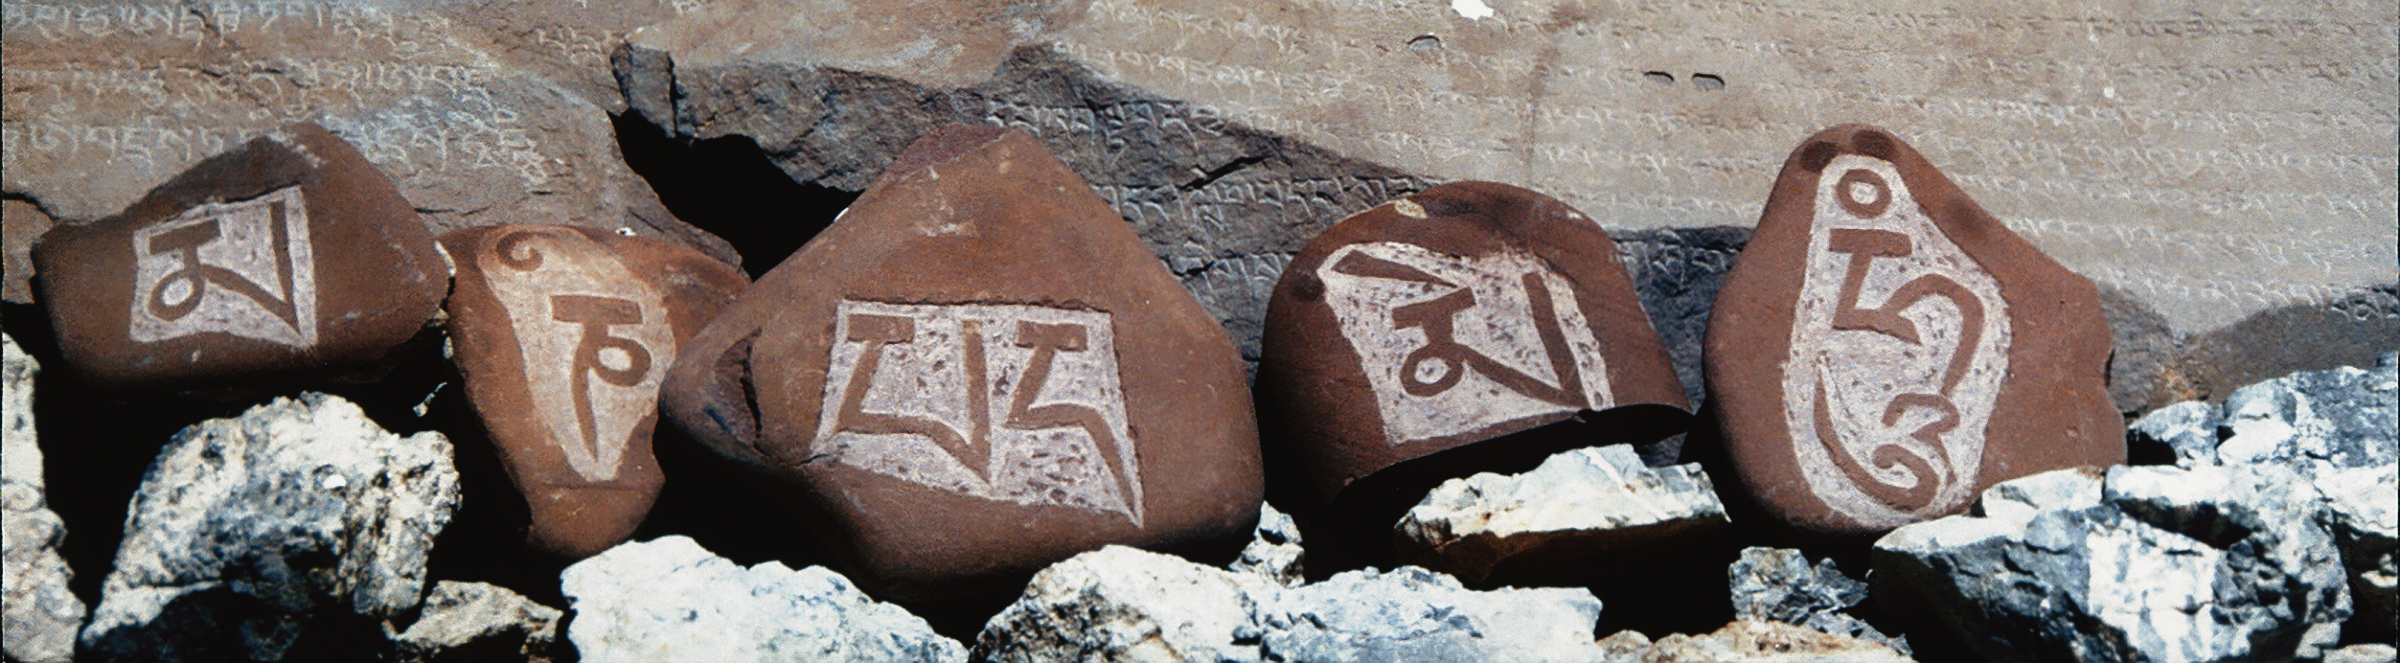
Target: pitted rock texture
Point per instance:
(1749, 642)
(1120, 603)
(41, 615)
(671, 600)
(247, 531)
(471, 621)
(21, 224)
(1777, 584)
(1559, 521)
(2137, 564)
(1274, 550)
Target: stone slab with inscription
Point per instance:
(1470, 327)
(288, 253)
(976, 371)
(563, 335)
(1885, 349)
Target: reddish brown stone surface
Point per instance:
(977, 371)
(1443, 334)
(288, 253)
(1885, 349)
(563, 335)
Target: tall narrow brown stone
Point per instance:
(1885, 349)
(976, 371)
(563, 335)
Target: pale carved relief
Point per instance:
(1899, 343)
(594, 340)
(244, 268)
(1451, 344)
(1005, 402)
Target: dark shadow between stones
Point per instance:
(731, 188)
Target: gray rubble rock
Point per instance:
(41, 616)
(2189, 429)
(1120, 603)
(1560, 521)
(2139, 564)
(2366, 653)
(2359, 509)
(470, 621)
(1777, 584)
(1274, 549)
(668, 599)
(2316, 420)
(1749, 642)
(247, 530)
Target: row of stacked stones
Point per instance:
(978, 370)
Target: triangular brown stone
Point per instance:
(563, 335)
(290, 252)
(1885, 349)
(976, 371)
(1470, 327)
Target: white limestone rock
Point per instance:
(1560, 521)
(1123, 603)
(2317, 420)
(668, 599)
(246, 530)
(1749, 642)
(1274, 549)
(464, 620)
(41, 616)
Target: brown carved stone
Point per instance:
(563, 335)
(1471, 327)
(977, 371)
(290, 252)
(1885, 349)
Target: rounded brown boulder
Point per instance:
(975, 372)
(562, 336)
(288, 253)
(1885, 349)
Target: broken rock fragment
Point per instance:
(464, 620)
(671, 600)
(288, 253)
(1885, 349)
(563, 335)
(40, 615)
(975, 372)
(1561, 522)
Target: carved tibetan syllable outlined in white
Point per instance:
(1899, 342)
(1451, 345)
(1004, 402)
(243, 268)
(594, 339)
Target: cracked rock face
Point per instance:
(1566, 516)
(2139, 563)
(41, 615)
(668, 599)
(468, 620)
(1121, 603)
(248, 531)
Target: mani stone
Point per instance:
(290, 252)
(976, 371)
(1885, 349)
(1442, 334)
(563, 335)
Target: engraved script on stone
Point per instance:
(1005, 402)
(1899, 343)
(594, 340)
(1451, 345)
(243, 268)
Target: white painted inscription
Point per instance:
(242, 268)
(594, 340)
(1004, 402)
(1899, 343)
(1451, 345)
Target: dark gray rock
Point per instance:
(471, 621)
(41, 615)
(2338, 418)
(247, 532)
(668, 599)
(2142, 343)
(1274, 550)
(1777, 584)
(1677, 271)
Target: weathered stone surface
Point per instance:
(1885, 348)
(2359, 511)
(41, 616)
(288, 253)
(1677, 272)
(247, 531)
(2366, 653)
(563, 335)
(2346, 330)
(1748, 641)
(473, 621)
(1561, 522)
(2142, 563)
(671, 600)
(1777, 584)
(1119, 603)
(2319, 420)
(482, 113)
(1274, 550)
(21, 224)
(2187, 430)
(976, 372)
